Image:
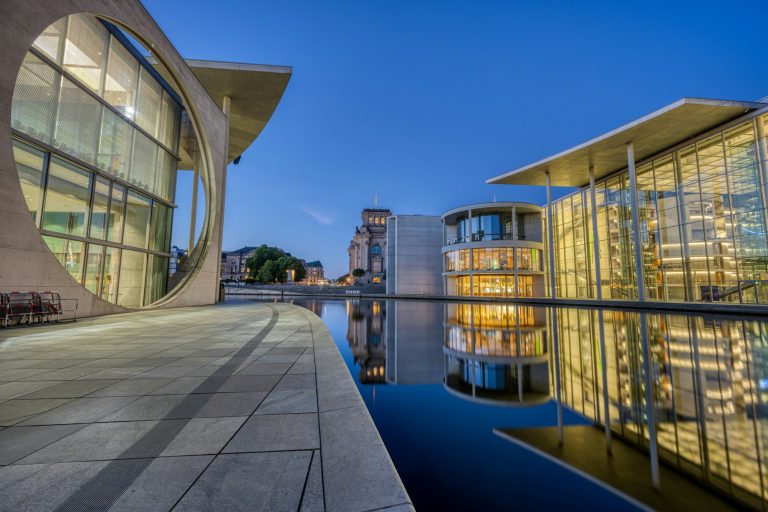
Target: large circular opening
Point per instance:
(98, 139)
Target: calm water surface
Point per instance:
(439, 432)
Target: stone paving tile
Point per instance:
(74, 372)
(80, 410)
(44, 486)
(203, 436)
(259, 368)
(278, 358)
(71, 389)
(313, 500)
(284, 401)
(18, 442)
(132, 387)
(16, 389)
(250, 481)
(15, 411)
(189, 406)
(276, 432)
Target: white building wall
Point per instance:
(414, 255)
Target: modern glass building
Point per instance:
(493, 250)
(671, 207)
(97, 131)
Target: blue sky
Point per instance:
(423, 101)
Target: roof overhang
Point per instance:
(451, 216)
(254, 91)
(651, 134)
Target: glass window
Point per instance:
(94, 264)
(137, 215)
(148, 105)
(29, 165)
(161, 227)
(77, 122)
(69, 253)
(169, 122)
(165, 176)
(50, 42)
(157, 276)
(66, 199)
(116, 208)
(131, 288)
(86, 49)
(34, 99)
(122, 76)
(114, 145)
(99, 211)
(111, 269)
(144, 162)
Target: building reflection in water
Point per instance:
(705, 377)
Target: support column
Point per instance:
(471, 259)
(639, 269)
(225, 107)
(193, 216)
(600, 322)
(649, 409)
(514, 250)
(682, 213)
(553, 312)
(762, 155)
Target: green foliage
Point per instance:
(287, 263)
(343, 279)
(270, 264)
(268, 272)
(358, 272)
(262, 255)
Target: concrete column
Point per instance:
(600, 322)
(193, 215)
(514, 250)
(471, 259)
(639, 270)
(762, 155)
(553, 312)
(225, 108)
(682, 213)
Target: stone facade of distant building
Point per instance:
(177, 258)
(368, 247)
(315, 272)
(233, 263)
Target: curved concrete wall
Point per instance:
(25, 261)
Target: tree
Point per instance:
(262, 255)
(269, 272)
(358, 272)
(343, 279)
(287, 263)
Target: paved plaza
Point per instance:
(241, 406)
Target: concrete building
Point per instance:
(99, 132)
(413, 254)
(367, 250)
(315, 272)
(494, 249)
(233, 267)
(178, 256)
(671, 207)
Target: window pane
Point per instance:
(116, 207)
(144, 162)
(85, 52)
(114, 145)
(34, 99)
(51, 40)
(169, 123)
(157, 276)
(77, 123)
(99, 211)
(165, 177)
(148, 106)
(122, 75)
(136, 220)
(94, 264)
(29, 166)
(111, 269)
(69, 253)
(161, 227)
(66, 199)
(131, 289)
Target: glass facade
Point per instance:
(96, 142)
(702, 227)
(708, 389)
(495, 285)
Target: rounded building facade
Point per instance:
(494, 250)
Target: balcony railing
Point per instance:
(481, 237)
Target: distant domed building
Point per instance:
(368, 247)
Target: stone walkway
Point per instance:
(228, 407)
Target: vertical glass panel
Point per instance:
(108, 290)
(143, 163)
(169, 122)
(50, 42)
(157, 277)
(69, 253)
(148, 105)
(165, 176)
(94, 264)
(116, 208)
(29, 166)
(66, 199)
(86, 49)
(131, 288)
(122, 77)
(34, 99)
(161, 227)
(114, 145)
(137, 216)
(77, 122)
(99, 211)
